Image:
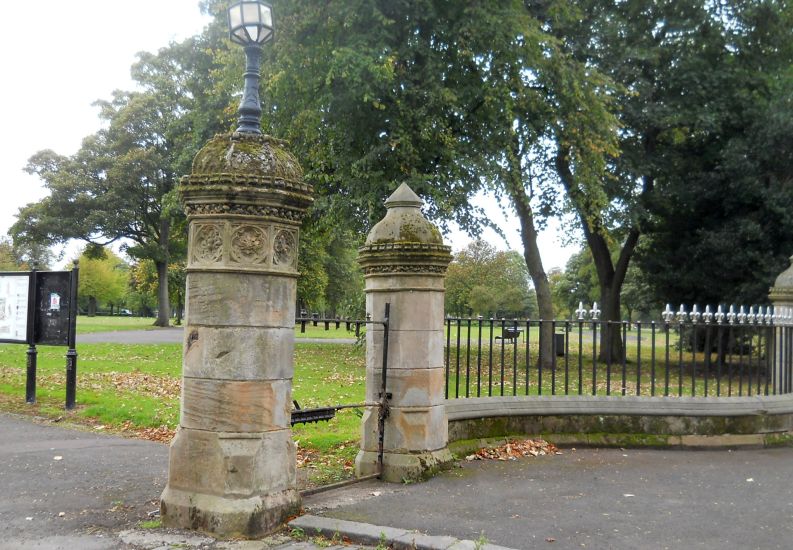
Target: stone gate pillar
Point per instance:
(232, 462)
(404, 262)
(781, 295)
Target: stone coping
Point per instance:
(484, 407)
(379, 535)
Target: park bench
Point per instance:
(510, 334)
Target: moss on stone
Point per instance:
(782, 439)
(247, 154)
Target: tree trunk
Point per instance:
(610, 275)
(92, 306)
(531, 253)
(163, 299)
(179, 307)
(611, 344)
(164, 305)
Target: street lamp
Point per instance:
(251, 26)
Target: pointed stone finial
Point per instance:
(404, 196)
(404, 222)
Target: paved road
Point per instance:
(171, 335)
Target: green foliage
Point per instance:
(120, 185)
(103, 280)
(330, 279)
(484, 281)
(720, 231)
(8, 257)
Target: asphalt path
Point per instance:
(67, 488)
(61, 488)
(170, 335)
(598, 499)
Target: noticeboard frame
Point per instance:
(31, 309)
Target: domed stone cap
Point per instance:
(404, 241)
(247, 154)
(246, 175)
(404, 221)
(783, 286)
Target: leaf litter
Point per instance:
(515, 449)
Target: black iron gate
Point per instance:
(318, 414)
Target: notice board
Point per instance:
(53, 308)
(14, 307)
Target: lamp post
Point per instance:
(251, 26)
(232, 460)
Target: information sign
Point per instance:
(53, 303)
(14, 307)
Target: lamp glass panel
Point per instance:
(235, 16)
(253, 33)
(240, 37)
(265, 35)
(250, 12)
(267, 16)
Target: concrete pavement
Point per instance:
(67, 489)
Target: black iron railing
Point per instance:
(676, 357)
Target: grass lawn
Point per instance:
(87, 324)
(134, 390)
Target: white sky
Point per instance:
(61, 56)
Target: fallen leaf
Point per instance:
(57, 458)
(376, 493)
(512, 450)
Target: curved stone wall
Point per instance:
(623, 421)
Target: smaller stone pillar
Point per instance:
(404, 262)
(781, 354)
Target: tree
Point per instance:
(449, 98)
(722, 231)
(141, 294)
(120, 185)
(102, 281)
(484, 281)
(8, 257)
(676, 64)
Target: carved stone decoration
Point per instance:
(248, 245)
(284, 249)
(207, 243)
(253, 210)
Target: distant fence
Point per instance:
(697, 354)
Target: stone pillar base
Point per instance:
(400, 467)
(229, 517)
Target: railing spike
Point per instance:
(741, 315)
(682, 316)
(707, 316)
(668, 314)
(731, 315)
(694, 314)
